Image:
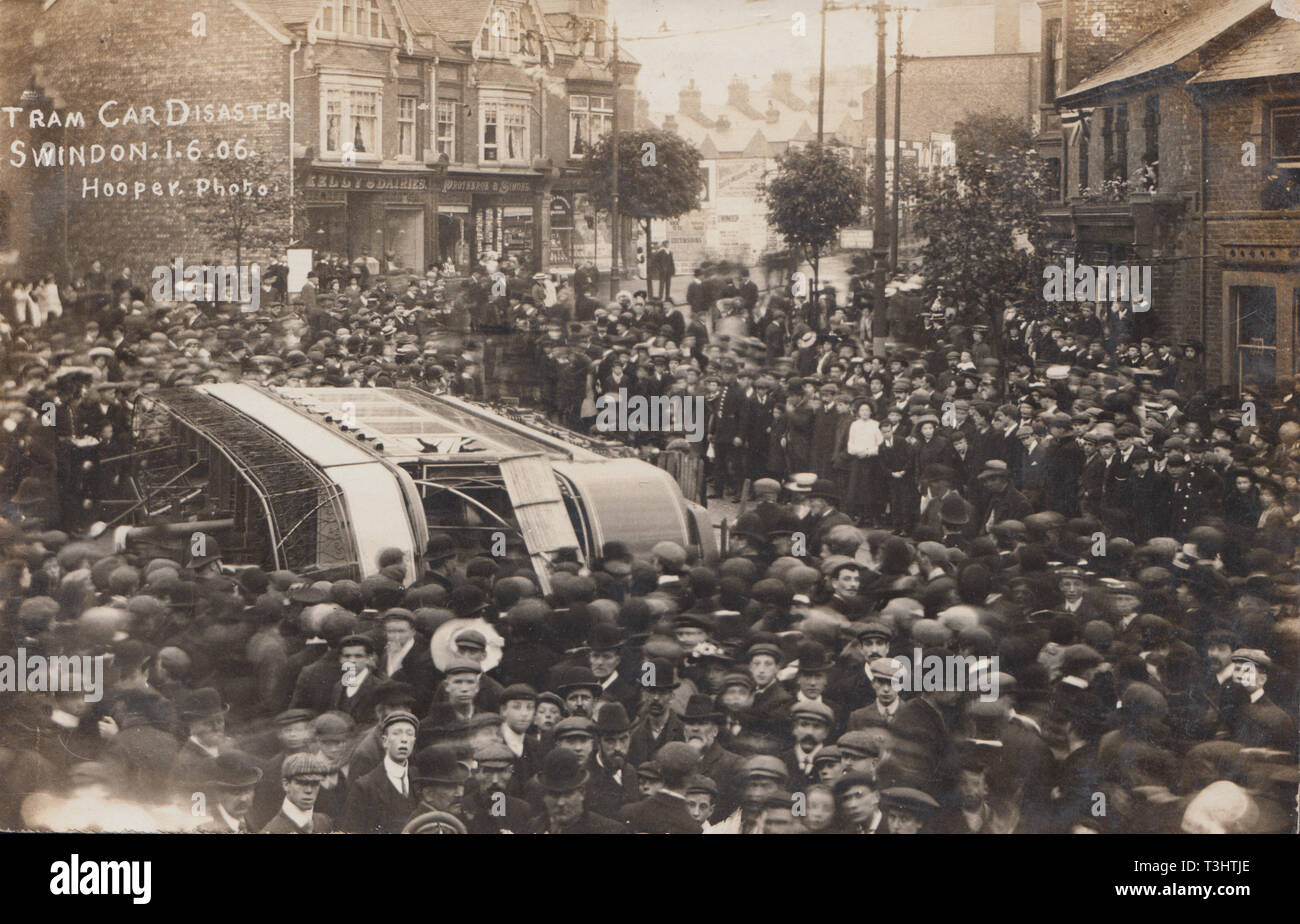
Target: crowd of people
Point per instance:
(1100, 546)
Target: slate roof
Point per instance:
(1270, 52)
(1168, 45)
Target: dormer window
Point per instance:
(352, 19)
(501, 32)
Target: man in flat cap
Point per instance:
(882, 672)
(665, 812)
(294, 732)
(811, 723)
(906, 809)
(1253, 719)
(488, 806)
(381, 802)
(762, 776)
(858, 801)
(390, 696)
(301, 776)
(333, 732)
(764, 661)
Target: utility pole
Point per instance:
(613, 209)
(898, 143)
(879, 251)
(821, 79)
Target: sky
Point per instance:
(712, 57)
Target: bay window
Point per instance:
(590, 119)
(504, 131)
(350, 119)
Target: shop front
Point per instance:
(384, 214)
(1261, 312)
(498, 214)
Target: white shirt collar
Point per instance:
(395, 659)
(351, 691)
(396, 774)
(1257, 695)
(211, 752)
(296, 815)
(605, 684)
(513, 739)
(227, 819)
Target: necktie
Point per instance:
(404, 789)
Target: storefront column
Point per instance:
(542, 224)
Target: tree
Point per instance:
(658, 176)
(985, 238)
(253, 209)
(812, 196)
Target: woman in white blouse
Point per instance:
(866, 496)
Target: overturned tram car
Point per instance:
(319, 480)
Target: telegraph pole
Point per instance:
(613, 210)
(898, 135)
(879, 251)
(821, 79)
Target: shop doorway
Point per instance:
(404, 239)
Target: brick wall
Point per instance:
(938, 92)
(141, 53)
(1126, 21)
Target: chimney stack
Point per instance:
(738, 93)
(689, 100)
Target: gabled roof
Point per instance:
(294, 11)
(1270, 52)
(455, 20)
(1169, 44)
(757, 147)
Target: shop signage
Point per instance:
(366, 182)
(485, 185)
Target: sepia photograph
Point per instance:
(649, 417)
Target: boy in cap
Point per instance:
(1252, 718)
(301, 776)
(381, 802)
(907, 810)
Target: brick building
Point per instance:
(959, 59)
(1180, 149)
(417, 130)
